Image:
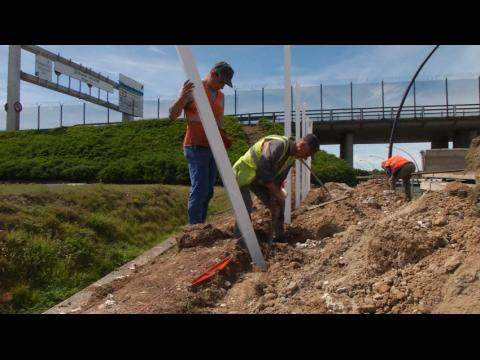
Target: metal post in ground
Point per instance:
(414, 101)
(321, 103)
(351, 100)
(235, 101)
(446, 93)
(383, 103)
(263, 102)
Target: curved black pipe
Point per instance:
(394, 126)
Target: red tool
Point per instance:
(210, 272)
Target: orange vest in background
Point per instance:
(395, 162)
(195, 134)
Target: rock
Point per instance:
(292, 287)
(341, 290)
(397, 294)
(258, 286)
(381, 287)
(388, 280)
(227, 284)
(368, 306)
(318, 285)
(373, 203)
(452, 263)
(295, 264)
(441, 221)
(270, 296)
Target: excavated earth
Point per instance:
(371, 252)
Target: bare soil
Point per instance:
(372, 252)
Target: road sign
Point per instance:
(82, 76)
(130, 96)
(43, 68)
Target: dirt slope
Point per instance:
(370, 253)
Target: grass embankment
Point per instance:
(54, 241)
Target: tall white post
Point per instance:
(304, 168)
(13, 87)
(220, 155)
(309, 160)
(287, 102)
(298, 175)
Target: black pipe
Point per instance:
(394, 126)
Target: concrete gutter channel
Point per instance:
(74, 303)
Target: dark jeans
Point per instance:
(203, 173)
(276, 207)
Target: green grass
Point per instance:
(56, 241)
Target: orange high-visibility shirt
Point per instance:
(195, 134)
(395, 162)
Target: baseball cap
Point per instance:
(225, 71)
(313, 143)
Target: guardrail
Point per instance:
(371, 113)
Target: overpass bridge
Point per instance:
(437, 124)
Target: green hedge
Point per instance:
(148, 151)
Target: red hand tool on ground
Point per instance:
(210, 272)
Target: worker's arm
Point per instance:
(182, 101)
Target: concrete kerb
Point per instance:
(76, 302)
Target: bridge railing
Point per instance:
(371, 113)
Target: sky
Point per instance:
(334, 66)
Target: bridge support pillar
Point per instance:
(462, 138)
(440, 142)
(346, 148)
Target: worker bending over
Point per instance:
(397, 167)
(263, 170)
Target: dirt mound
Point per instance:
(472, 159)
(371, 252)
(199, 234)
(457, 189)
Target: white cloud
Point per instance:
(157, 50)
